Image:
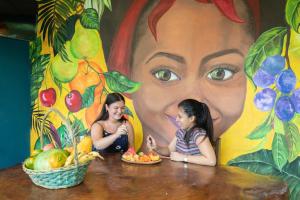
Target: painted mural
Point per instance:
(158, 53)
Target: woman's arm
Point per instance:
(130, 133)
(99, 141)
(164, 151)
(207, 157)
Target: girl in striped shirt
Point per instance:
(193, 140)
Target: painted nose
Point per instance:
(195, 90)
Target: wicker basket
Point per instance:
(63, 177)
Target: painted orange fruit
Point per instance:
(89, 73)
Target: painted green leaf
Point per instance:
(35, 48)
(108, 4)
(52, 15)
(268, 44)
(46, 140)
(120, 83)
(63, 136)
(291, 174)
(261, 162)
(293, 140)
(278, 125)
(89, 19)
(292, 14)
(37, 120)
(78, 127)
(88, 96)
(261, 131)
(98, 5)
(128, 112)
(37, 76)
(280, 150)
(60, 39)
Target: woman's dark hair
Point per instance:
(202, 115)
(111, 98)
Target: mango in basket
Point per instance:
(85, 145)
(51, 159)
(68, 149)
(29, 162)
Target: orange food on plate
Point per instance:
(131, 155)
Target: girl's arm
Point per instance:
(207, 157)
(164, 151)
(130, 133)
(101, 142)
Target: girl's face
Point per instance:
(116, 110)
(184, 121)
(198, 54)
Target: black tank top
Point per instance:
(119, 145)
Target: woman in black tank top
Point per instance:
(112, 132)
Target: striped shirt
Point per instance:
(192, 149)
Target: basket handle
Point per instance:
(70, 131)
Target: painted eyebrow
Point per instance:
(221, 53)
(172, 56)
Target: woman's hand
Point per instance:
(151, 144)
(122, 130)
(175, 156)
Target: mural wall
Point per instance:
(158, 53)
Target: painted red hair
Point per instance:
(119, 58)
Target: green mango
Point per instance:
(29, 162)
(50, 159)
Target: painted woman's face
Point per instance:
(198, 54)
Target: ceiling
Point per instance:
(18, 18)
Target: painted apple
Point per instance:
(48, 97)
(73, 101)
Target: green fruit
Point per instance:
(51, 159)
(69, 53)
(85, 42)
(29, 162)
(63, 71)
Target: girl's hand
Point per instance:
(175, 156)
(122, 130)
(151, 144)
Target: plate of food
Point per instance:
(130, 156)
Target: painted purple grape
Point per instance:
(264, 100)
(273, 64)
(263, 79)
(286, 81)
(284, 108)
(295, 99)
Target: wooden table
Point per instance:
(114, 179)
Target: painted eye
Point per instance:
(165, 75)
(220, 74)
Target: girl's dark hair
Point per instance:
(111, 98)
(202, 115)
